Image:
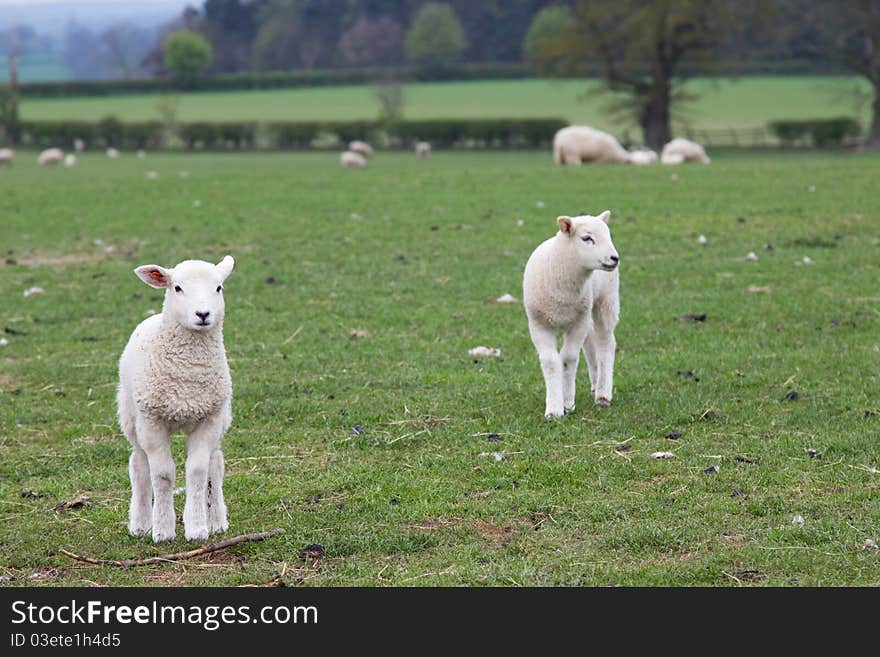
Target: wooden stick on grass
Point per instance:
(177, 556)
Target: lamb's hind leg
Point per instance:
(602, 344)
(544, 340)
(140, 513)
(203, 441)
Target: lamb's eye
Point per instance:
(177, 288)
(588, 239)
(219, 287)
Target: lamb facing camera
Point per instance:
(173, 376)
(571, 286)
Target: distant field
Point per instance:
(746, 103)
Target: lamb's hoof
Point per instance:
(218, 527)
(604, 403)
(552, 415)
(199, 534)
(163, 537)
(569, 409)
(139, 530)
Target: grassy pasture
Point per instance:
(413, 252)
(748, 102)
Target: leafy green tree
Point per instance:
(187, 56)
(435, 36)
(546, 27)
(646, 49)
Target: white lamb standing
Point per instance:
(570, 286)
(173, 376)
(685, 149)
(423, 149)
(50, 157)
(112, 153)
(643, 156)
(6, 156)
(352, 160)
(361, 147)
(579, 143)
(70, 160)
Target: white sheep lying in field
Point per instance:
(173, 376)
(50, 156)
(579, 143)
(683, 150)
(352, 160)
(361, 147)
(6, 156)
(423, 149)
(112, 153)
(70, 160)
(643, 156)
(570, 286)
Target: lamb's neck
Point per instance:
(198, 345)
(569, 274)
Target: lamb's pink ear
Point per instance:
(564, 223)
(606, 216)
(225, 266)
(154, 275)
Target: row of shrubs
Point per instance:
(292, 135)
(822, 133)
(280, 79)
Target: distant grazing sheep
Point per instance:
(352, 160)
(570, 286)
(423, 149)
(112, 152)
(361, 147)
(79, 145)
(173, 376)
(70, 160)
(579, 143)
(688, 150)
(50, 157)
(6, 156)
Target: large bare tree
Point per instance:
(645, 49)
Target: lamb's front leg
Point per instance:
(216, 504)
(570, 355)
(544, 340)
(203, 441)
(155, 439)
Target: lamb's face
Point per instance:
(193, 291)
(590, 239)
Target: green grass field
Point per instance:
(745, 103)
(414, 253)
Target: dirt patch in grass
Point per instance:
(496, 535)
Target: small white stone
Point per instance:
(751, 256)
(662, 455)
(505, 298)
(31, 291)
(702, 239)
(498, 456)
(197, 204)
(520, 222)
(798, 520)
(870, 544)
(539, 204)
(3, 342)
(150, 312)
(807, 260)
(484, 351)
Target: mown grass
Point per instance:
(414, 252)
(748, 102)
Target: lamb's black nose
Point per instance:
(203, 315)
(614, 259)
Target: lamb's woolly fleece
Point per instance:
(580, 143)
(688, 151)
